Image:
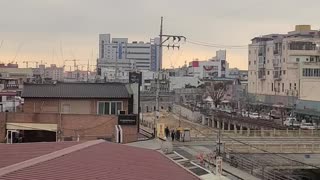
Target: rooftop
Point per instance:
(76, 90)
(94, 160)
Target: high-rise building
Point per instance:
(284, 68)
(119, 54)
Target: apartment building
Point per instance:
(284, 69)
(122, 55)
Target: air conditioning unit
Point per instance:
(121, 112)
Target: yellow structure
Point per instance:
(303, 27)
(160, 130)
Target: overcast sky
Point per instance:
(52, 30)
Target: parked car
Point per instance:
(292, 121)
(245, 114)
(307, 126)
(254, 115)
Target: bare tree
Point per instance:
(216, 92)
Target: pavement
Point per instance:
(152, 144)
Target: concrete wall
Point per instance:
(77, 106)
(88, 127)
(193, 116)
(148, 101)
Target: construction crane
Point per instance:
(74, 63)
(27, 63)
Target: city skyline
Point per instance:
(55, 30)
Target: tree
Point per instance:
(217, 92)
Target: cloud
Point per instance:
(42, 25)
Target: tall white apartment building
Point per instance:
(285, 68)
(119, 54)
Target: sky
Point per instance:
(55, 30)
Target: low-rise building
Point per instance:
(211, 68)
(10, 92)
(70, 111)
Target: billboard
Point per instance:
(135, 77)
(129, 119)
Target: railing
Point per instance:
(270, 147)
(11, 86)
(256, 167)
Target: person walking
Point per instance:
(172, 135)
(167, 132)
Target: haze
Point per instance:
(54, 30)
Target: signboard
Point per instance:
(223, 68)
(135, 77)
(219, 165)
(160, 130)
(130, 119)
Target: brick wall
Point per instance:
(2, 127)
(87, 127)
(129, 133)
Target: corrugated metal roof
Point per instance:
(15, 153)
(75, 90)
(104, 161)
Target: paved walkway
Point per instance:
(152, 144)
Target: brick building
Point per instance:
(72, 111)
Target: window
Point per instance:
(311, 59)
(249, 63)
(284, 72)
(271, 86)
(295, 86)
(282, 87)
(254, 62)
(297, 59)
(290, 86)
(284, 59)
(268, 49)
(109, 107)
(268, 72)
(249, 53)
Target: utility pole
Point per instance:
(116, 69)
(219, 157)
(174, 38)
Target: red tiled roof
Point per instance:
(105, 161)
(15, 153)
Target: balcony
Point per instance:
(11, 86)
(276, 64)
(262, 74)
(304, 52)
(277, 75)
(276, 52)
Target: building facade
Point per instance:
(211, 68)
(121, 55)
(283, 68)
(74, 111)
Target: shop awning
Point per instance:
(32, 126)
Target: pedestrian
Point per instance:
(172, 135)
(167, 132)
